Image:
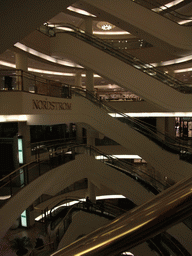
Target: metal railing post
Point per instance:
(11, 189)
(21, 80)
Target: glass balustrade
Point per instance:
(171, 10)
(171, 144)
(127, 58)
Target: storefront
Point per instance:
(183, 127)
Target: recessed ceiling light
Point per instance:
(105, 25)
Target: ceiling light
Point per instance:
(168, 5)
(105, 25)
(110, 33)
(80, 11)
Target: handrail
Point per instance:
(27, 82)
(138, 225)
(62, 226)
(25, 174)
(93, 207)
(126, 57)
(167, 143)
(163, 10)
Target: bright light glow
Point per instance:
(154, 114)
(13, 118)
(182, 22)
(95, 75)
(7, 64)
(24, 219)
(171, 62)
(65, 29)
(166, 6)
(44, 56)
(22, 118)
(120, 157)
(111, 33)
(80, 11)
(82, 199)
(50, 72)
(183, 70)
(110, 197)
(105, 25)
(107, 241)
(127, 253)
(5, 197)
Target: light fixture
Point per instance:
(105, 25)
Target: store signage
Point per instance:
(51, 105)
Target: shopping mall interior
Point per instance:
(96, 127)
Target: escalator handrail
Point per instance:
(138, 225)
(176, 143)
(39, 160)
(164, 9)
(148, 69)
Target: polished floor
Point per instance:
(37, 231)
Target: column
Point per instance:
(91, 191)
(78, 79)
(91, 135)
(90, 80)
(21, 63)
(79, 133)
(170, 126)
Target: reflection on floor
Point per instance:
(37, 231)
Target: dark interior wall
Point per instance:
(7, 133)
(52, 132)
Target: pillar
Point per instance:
(90, 81)
(78, 79)
(91, 191)
(91, 135)
(21, 63)
(170, 126)
(79, 133)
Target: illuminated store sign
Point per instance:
(51, 105)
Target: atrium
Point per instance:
(96, 102)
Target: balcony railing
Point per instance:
(25, 174)
(124, 56)
(19, 80)
(168, 10)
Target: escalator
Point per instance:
(164, 33)
(61, 218)
(164, 154)
(177, 11)
(67, 222)
(128, 72)
(138, 225)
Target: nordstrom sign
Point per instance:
(51, 105)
